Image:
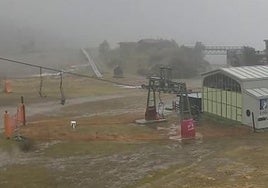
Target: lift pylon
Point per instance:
(164, 84)
(150, 113)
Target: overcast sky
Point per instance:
(88, 22)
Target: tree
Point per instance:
(250, 56)
(147, 55)
(104, 48)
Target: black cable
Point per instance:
(61, 90)
(41, 84)
(62, 71)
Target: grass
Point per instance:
(27, 176)
(72, 87)
(233, 148)
(149, 181)
(94, 148)
(121, 124)
(225, 167)
(113, 128)
(220, 120)
(6, 144)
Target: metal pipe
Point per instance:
(253, 123)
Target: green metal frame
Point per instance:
(221, 95)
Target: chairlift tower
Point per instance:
(164, 84)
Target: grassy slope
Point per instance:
(230, 156)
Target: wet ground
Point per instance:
(107, 149)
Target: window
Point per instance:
(221, 81)
(222, 96)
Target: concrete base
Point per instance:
(143, 121)
(198, 136)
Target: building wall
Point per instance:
(260, 115)
(250, 103)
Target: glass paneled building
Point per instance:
(237, 93)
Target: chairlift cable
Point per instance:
(61, 76)
(66, 72)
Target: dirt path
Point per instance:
(54, 107)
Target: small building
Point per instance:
(237, 93)
(127, 45)
(156, 43)
(118, 72)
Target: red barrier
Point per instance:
(9, 125)
(7, 86)
(187, 129)
(12, 123)
(21, 115)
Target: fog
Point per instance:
(83, 23)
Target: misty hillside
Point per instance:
(35, 47)
(58, 59)
(145, 56)
(20, 39)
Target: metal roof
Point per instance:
(248, 72)
(258, 92)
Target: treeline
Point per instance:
(247, 56)
(146, 56)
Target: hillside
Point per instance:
(145, 56)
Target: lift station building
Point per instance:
(237, 93)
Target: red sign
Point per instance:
(187, 129)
